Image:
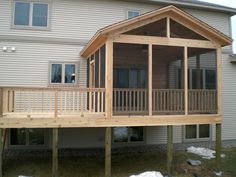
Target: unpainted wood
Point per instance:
(55, 152)
(186, 80)
(178, 42)
(218, 146)
(149, 79)
(109, 78)
(108, 152)
(102, 121)
(169, 149)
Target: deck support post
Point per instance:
(108, 152)
(150, 79)
(55, 152)
(218, 146)
(169, 149)
(1, 152)
(186, 80)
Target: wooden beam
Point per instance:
(149, 79)
(108, 152)
(169, 149)
(219, 79)
(168, 27)
(186, 80)
(109, 78)
(140, 39)
(55, 152)
(218, 146)
(115, 121)
(1, 152)
(198, 66)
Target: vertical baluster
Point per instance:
(98, 101)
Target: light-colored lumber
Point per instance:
(109, 77)
(140, 39)
(150, 79)
(102, 121)
(219, 79)
(186, 80)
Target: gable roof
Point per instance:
(195, 4)
(171, 11)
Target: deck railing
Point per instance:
(62, 101)
(168, 101)
(128, 101)
(202, 101)
(53, 100)
(164, 101)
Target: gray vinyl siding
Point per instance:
(29, 64)
(82, 18)
(229, 98)
(79, 20)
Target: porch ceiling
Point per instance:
(173, 12)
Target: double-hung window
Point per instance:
(63, 73)
(31, 15)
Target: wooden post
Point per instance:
(218, 146)
(168, 27)
(169, 149)
(150, 80)
(198, 65)
(219, 80)
(109, 77)
(186, 80)
(55, 152)
(1, 152)
(108, 152)
(1, 102)
(56, 105)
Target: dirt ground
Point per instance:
(123, 165)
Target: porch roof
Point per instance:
(171, 11)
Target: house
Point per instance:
(126, 73)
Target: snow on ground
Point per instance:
(149, 174)
(203, 152)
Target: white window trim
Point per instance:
(197, 138)
(30, 26)
(133, 10)
(63, 74)
(27, 145)
(130, 142)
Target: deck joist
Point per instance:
(12, 121)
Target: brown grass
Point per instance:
(122, 165)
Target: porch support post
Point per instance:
(108, 152)
(218, 146)
(150, 79)
(108, 104)
(219, 80)
(186, 80)
(198, 64)
(55, 152)
(109, 77)
(1, 133)
(169, 149)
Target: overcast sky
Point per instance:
(230, 3)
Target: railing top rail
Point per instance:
(130, 89)
(52, 89)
